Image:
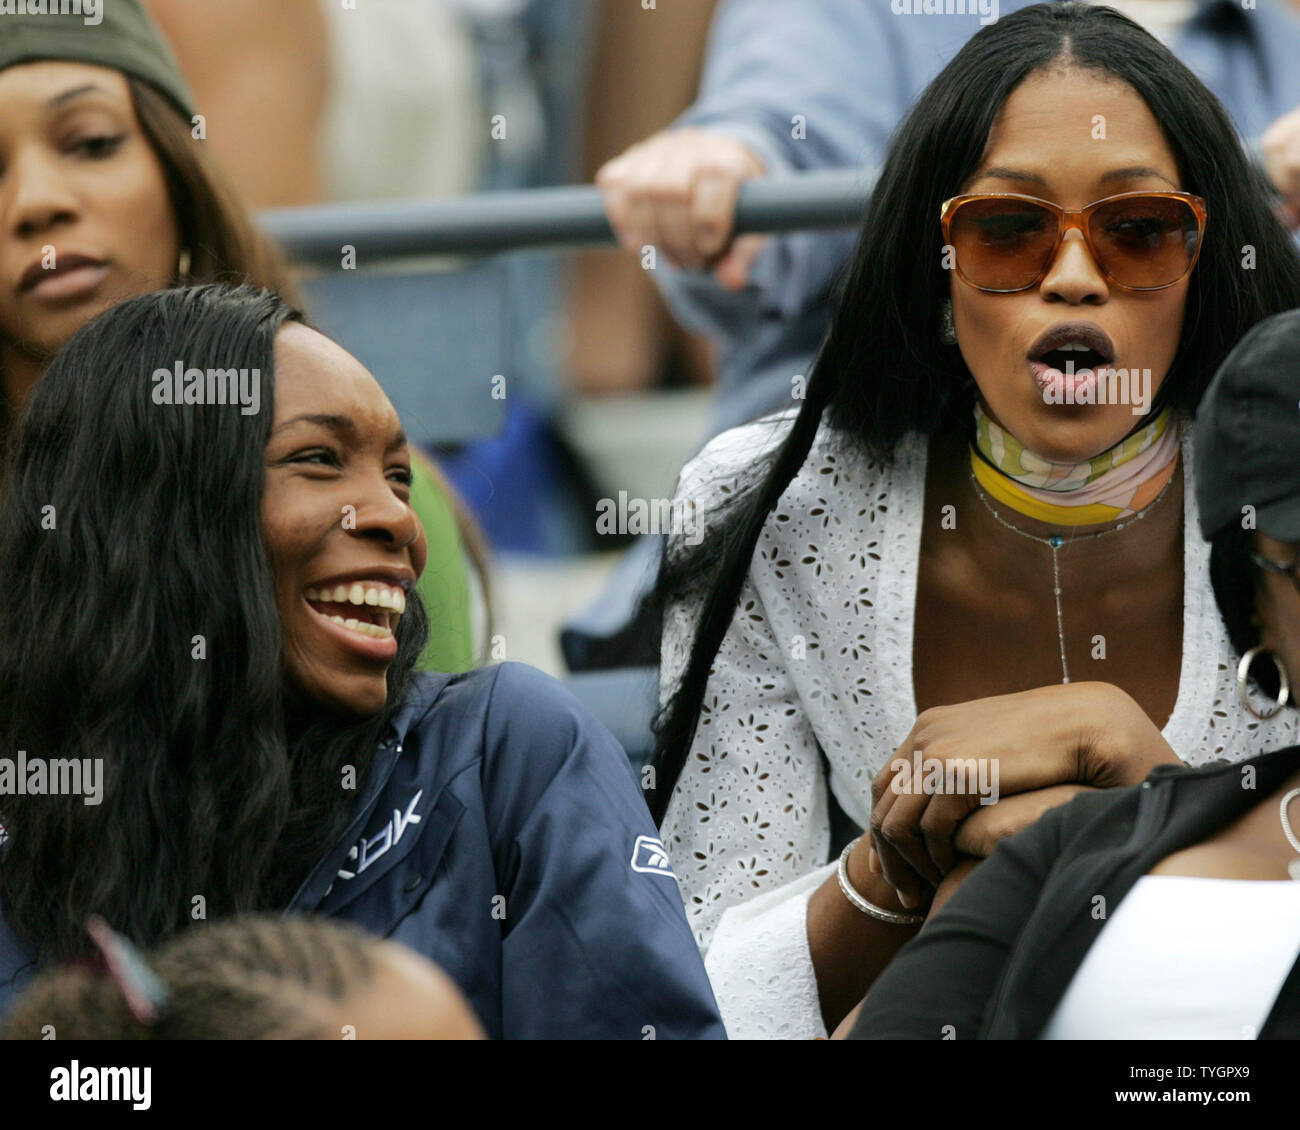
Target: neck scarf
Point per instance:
(1108, 487)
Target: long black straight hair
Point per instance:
(127, 529)
(886, 320)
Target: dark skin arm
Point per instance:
(1048, 745)
(849, 949)
(976, 837)
(1077, 734)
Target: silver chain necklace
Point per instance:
(1054, 544)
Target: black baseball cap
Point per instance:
(1248, 434)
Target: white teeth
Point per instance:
(1074, 347)
(373, 596)
(377, 631)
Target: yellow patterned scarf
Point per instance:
(1105, 488)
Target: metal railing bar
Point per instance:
(541, 217)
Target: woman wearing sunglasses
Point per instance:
(957, 571)
(1163, 911)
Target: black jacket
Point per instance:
(997, 959)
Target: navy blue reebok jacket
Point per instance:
(502, 833)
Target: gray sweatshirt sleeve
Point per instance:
(809, 86)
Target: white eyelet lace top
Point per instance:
(820, 653)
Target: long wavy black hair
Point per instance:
(128, 528)
(886, 321)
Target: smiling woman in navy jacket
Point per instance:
(211, 613)
(1166, 910)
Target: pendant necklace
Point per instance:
(1055, 542)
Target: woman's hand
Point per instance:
(1078, 733)
(677, 191)
(980, 832)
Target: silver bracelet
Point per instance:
(890, 916)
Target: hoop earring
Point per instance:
(183, 266)
(1243, 675)
(947, 327)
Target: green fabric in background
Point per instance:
(444, 584)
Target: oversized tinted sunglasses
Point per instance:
(1005, 242)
